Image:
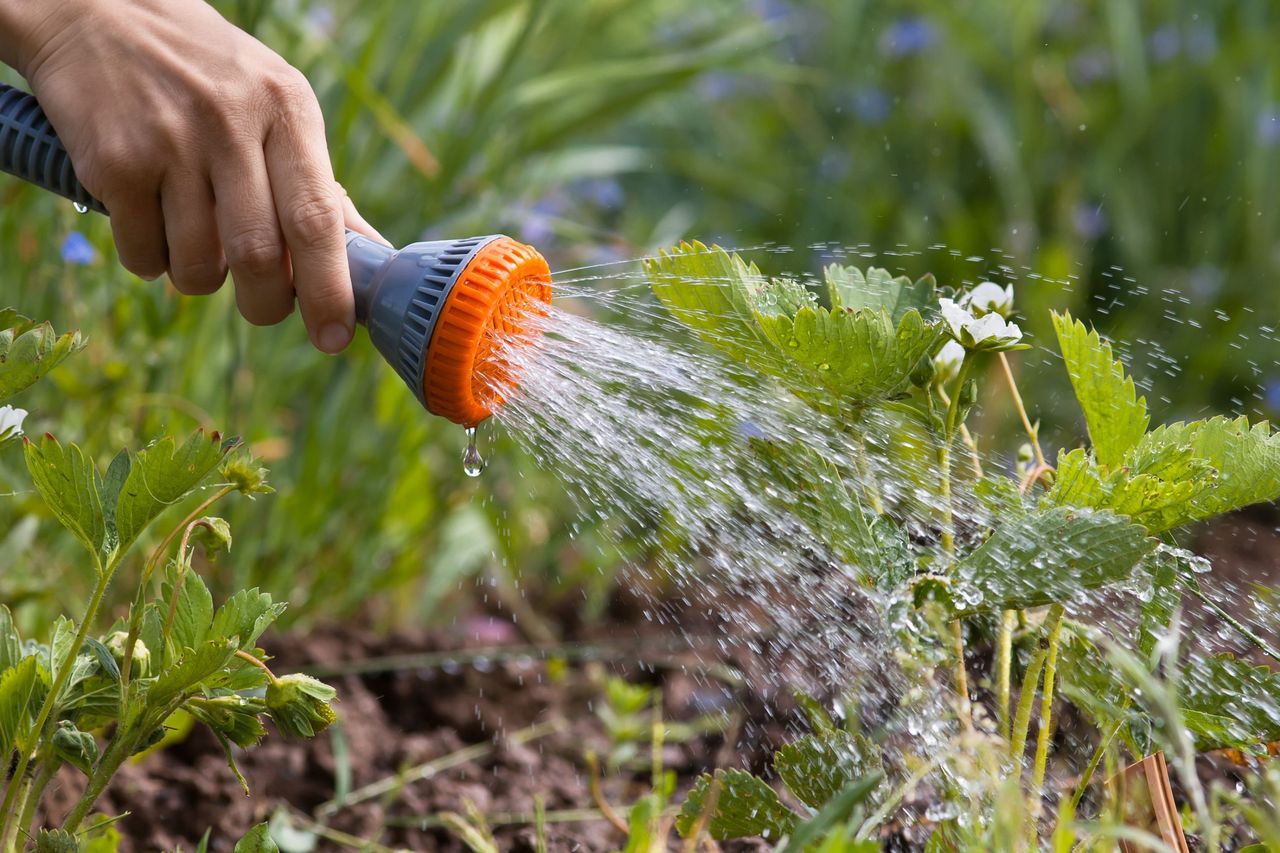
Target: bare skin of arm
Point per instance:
(207, 148)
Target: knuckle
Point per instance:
(257, 253)
(313, 223)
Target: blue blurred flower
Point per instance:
(1268, 126)
(1092, 65)
(1271, 394)
(749, 430)
(76, 249)
(834, 164)
(908, 36)
(718, 85)
(322, 19)
(774, 11)
(1089, 220)
(1202, 42)
(1164, 43)
(872, 105)
(603, 192)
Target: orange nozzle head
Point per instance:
(496, 294)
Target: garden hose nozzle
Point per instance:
(435, 310)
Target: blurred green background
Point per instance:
(1127, 153)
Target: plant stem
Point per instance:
(48, 767)
(243, 655)
(1244, 629)
(1032, 432)
(1046, 711)
(1094, 761)
(866, 477)
(962, 674)
(1004, 670)
(949, 536)
(116, 753)
(1026, 699)
(25, 749)
(139, 604)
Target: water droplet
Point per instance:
(472, 462)
(80, 208)
(824, 366)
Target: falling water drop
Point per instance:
(472, 462)
(80, 208)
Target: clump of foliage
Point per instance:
(93, 695)
(888, 353)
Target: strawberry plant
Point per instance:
(956, 547)
(96, 693)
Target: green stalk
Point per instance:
(1046, 711)
(48, 767)
(949, 535)
(115, 755)
(866, 477)
(1004, 670)
(1094, 761)
(1026, 699)
(7, 809)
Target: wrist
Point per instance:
(31, 29)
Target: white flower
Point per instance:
(990, 332)
(989, 298)
(946, 364)
(11, 421)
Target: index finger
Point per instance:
(309, 206)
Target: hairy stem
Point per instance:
(116, 753)
(1249, 633)
(48, 767)
(139, 604)
(1032, 432)
(1094, 761)
(1046, 711)
(1026, 699)
(28, 744)
(1004, 670)
(866, 477)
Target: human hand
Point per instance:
(206, 147)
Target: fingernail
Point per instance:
(334, 338)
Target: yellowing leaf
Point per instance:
(1115, 414)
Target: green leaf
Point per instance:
(109, 492)
(26, 355)
(1115, 414)
(712, 293)
(67, 481)
(162, 475)
(838, 808)
(1051, 554)
(1228, 702)
(849, 287)
(193, 667)
(1166, 595)
(744, 807)
(817, 767)
(193, 615)
(257, 840)
(17, 687)
(859, 356)
(1247, 459)
(10, 642)
(246, 614)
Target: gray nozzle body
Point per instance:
(399, 293)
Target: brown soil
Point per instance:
(399, 711)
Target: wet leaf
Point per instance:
(67, 481)
(1115, 414)
(711, 292)
(839, 807)
(745, 807)
(28, 353)
(1228, 702)
(10, 642)
(817, 767)
(849, 287)
(1050, 555)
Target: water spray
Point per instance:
(434, 310)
